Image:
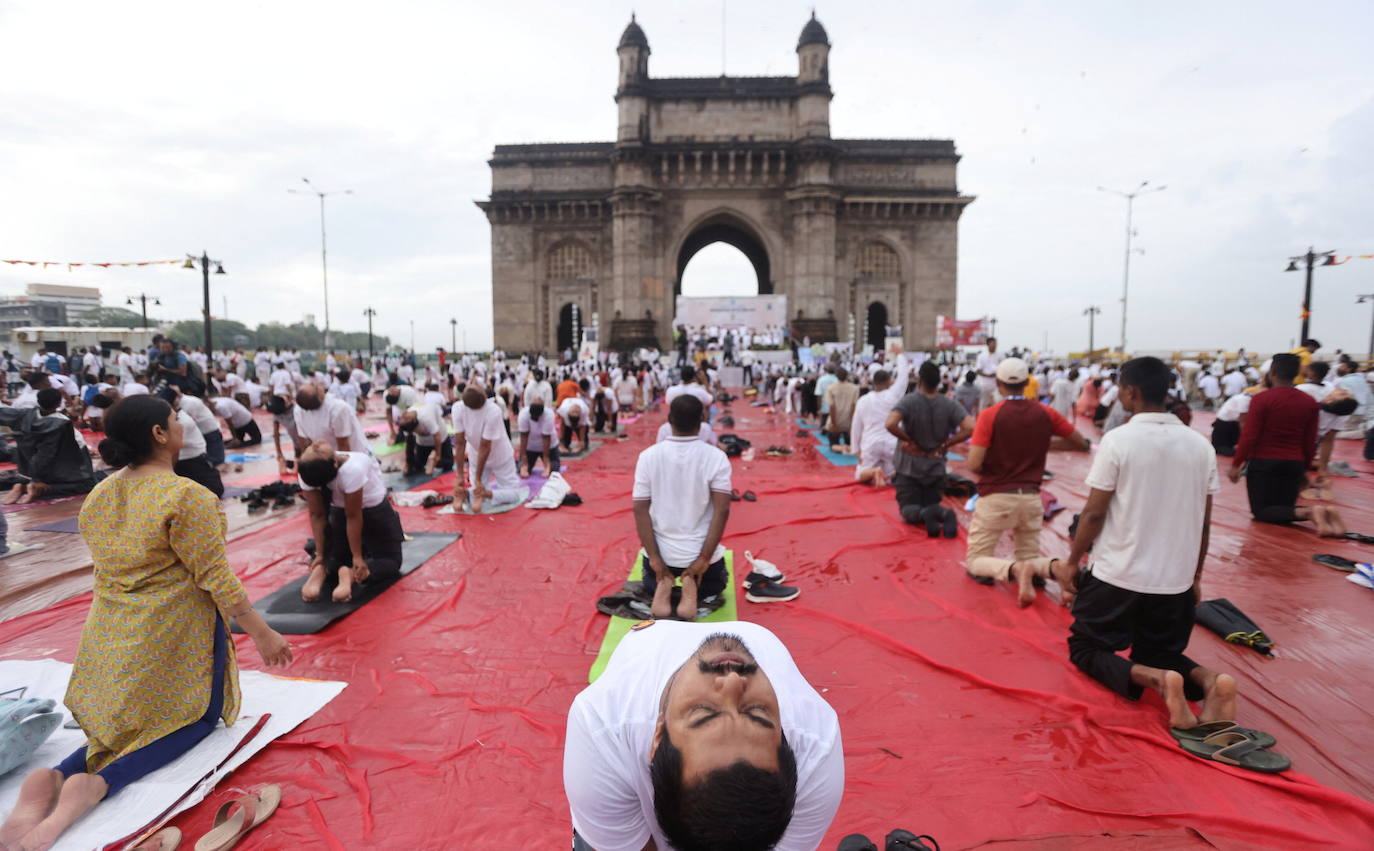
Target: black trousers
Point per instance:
(1273, 487)
(248, 434)
(381, 537)
(1369, 445)
(417, 455)
(1225, 436)
(532, 458)
(568, 433)
(199, 469)
(711, 585)
(919, 502)
(837, 437)
(1107, 619)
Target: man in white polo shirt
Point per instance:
(1146, 523)
(538, 437)
(323, 417)
(480, 430)
(681, 503)
(986, 367)
(702, 736)
(354, 525)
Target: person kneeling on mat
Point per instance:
(480, 429)
(680, 744)
(357, 528)
(926, 424)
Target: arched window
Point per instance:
(570, 260)
(876, 260)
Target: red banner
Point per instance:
(950, 333)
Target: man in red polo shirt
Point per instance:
(1007, 452)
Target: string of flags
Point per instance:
(1349, 257)
(70, 266)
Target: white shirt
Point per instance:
(204, 420)
(540, 434)
(704, 433)
(281, 381)
(692, 389)
(986, 365)
(575, 403)
(485, 423)
(1231, 411)
(237, 415)
(125, 362)
(429, 423)
(1210, 387)
(538, 390)
(678, 476)
(358, 472)
(625, 390)
(1161, 473)
(192, 441)
(611, 730)
(868, 428)
(347, 392)
(1233, 383)
(332, 420)
(133, 388)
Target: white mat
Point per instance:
(288, 701)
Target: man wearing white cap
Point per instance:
(1007, 453)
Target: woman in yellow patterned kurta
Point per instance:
(155, 652)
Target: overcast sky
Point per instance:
(144, 130)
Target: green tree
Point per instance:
(114, 317)
(226, 333)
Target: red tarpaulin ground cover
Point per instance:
(961, 714)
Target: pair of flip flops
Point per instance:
(749, 496)
(1230, 744)
(231, 824)
(1340, 563)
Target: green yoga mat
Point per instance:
(618, 628)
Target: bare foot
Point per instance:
(879, 480)
(25, 497)
(37, 797)
(1335, 523)
(1171, 689)
(687, 606)
(12, 494)
(1219, 704)
(478, 497)
(343, 592)
(663, 598)
(79, 796)
(310, 591)
(1067, 579)
(1023, 572)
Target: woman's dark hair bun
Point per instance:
(116, 453)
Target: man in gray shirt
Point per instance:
(926, 423)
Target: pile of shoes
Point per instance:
(732, 444)
(282, 494)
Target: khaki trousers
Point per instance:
(1020, 513)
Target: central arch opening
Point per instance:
(714, 250)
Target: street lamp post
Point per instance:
(1309, 259)
(369, 313)
(1091, 312)
(324, 253)
(143, 299)
(1126, 274)
(1361, 300)
(205, 263)
(992, 320)
(412, 338)
(453, 343)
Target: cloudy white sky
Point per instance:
(144, 130)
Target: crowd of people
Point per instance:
(680, 743)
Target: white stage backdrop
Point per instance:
(758, 311)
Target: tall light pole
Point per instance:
(1310, 259)
(1091, 312)
(324, 253)
(1361, 300)
(205, 263)
(993, 322)
(453, 343)
(143, 299)
(1143, 189)
(412, 338)
(369, 313)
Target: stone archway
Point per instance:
(734, 232)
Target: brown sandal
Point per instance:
(252, 811)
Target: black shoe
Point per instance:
(856, 842)
(951, 525)
(754, 576)
(256, 505)
(905, 840)
(284, 502)
(933, 524)
(982, 580)
(769, 591)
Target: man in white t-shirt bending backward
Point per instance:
(681, 503)
(701, 736)
(357, 532)
(480, 429)
(1147, 523)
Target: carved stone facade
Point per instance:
(856, 232)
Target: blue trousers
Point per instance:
(214, 447)
(152, 756)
